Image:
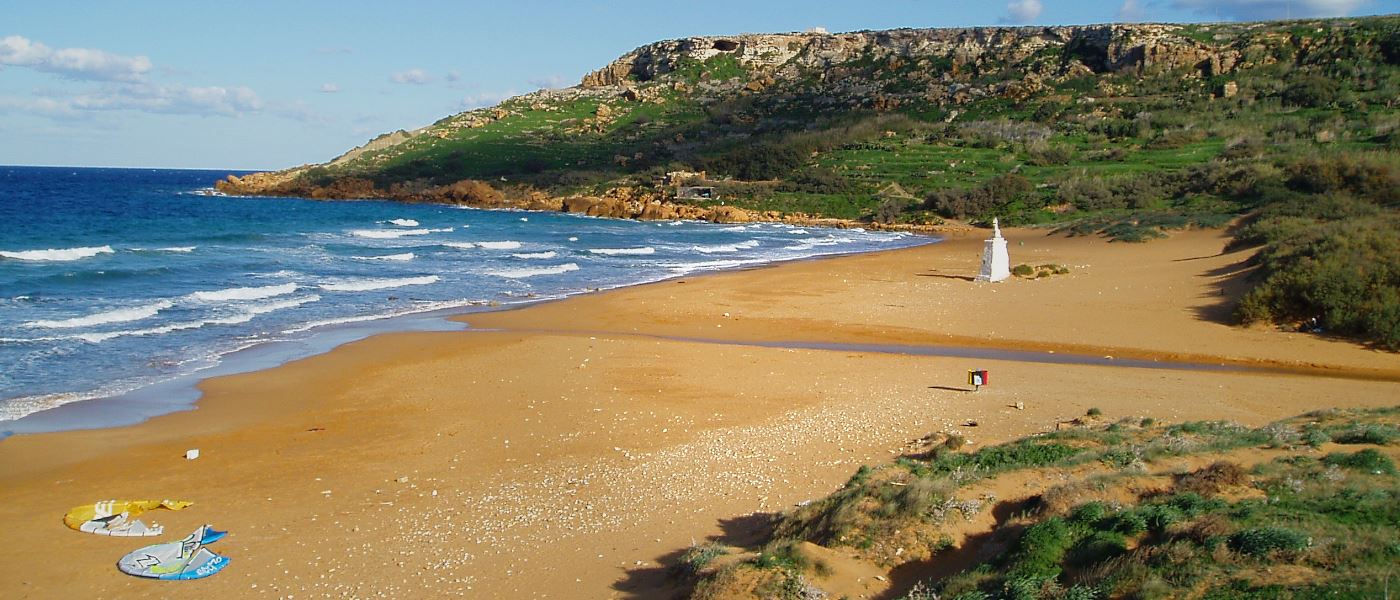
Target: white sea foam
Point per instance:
(283, 274)
(829, 240)
(623, 251)
(573, 239)
(259, 309)
(394, 257)
(419, 308)
(404, 222)
(243, 316)
(120, 315)
(460, 245)
(245, 293)
(52, 254)
(532, 255)
(798, 232)
(180, 249)
(505, 245)
(368, 284)
(726, 248)
(713, 265)
(388, 234)
(523, 273)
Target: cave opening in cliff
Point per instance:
(726, 45)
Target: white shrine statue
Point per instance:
(996, 263)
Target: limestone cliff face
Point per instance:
(1096, 48)
(382, 142)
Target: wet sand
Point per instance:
(571, 447)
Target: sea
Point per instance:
(120, 288)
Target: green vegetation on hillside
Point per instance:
(1304, 508)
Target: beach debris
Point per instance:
(970, 424)
(192, 454)
(183, 559)
(1020, 406)
(978, 378)
(116, 517)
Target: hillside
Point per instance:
(1303, 508)
(1125, 130)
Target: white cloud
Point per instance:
(1022, 11)
(1132, 11)
(329, 88)
(143, 97)
(299, 111)
(552, 82)
(75, 63)
(411, 76)
(453, 76)
(1263, 10)
(484, 99)
(173, 99)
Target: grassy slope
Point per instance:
(1108, 124)
(1308, 507)
(1125, 154)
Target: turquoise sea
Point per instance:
(116, 282)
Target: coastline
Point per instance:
(567, 448)
(135, 402)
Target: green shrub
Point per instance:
(1022, 270)
(1261, 541)
(1368, 460)
(696, 558)
(1367, 433)
(1341, 273)
(1097, 547)
(1088, 513)
(1315, 437)
(1129, 523)
(1040, 550)
(1311, 91)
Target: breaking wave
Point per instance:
(725, 248)
(623, 251)
(394, 257)
(533, 255)
(523, 273)
(121, 315)
(245, 293)
(505, 245)
(365, 285)
(243, 316)
(388, 234)
(63, 254)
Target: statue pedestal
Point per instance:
(996, 263)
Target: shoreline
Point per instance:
(152, 399)
(571, 448)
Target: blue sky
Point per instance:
(264, 85)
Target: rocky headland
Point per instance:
(602, 147)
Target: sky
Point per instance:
(269, 85)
